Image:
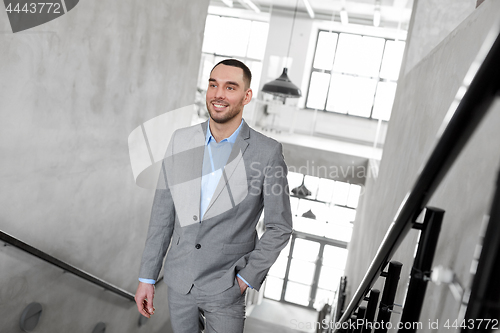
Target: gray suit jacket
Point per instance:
(209, 254)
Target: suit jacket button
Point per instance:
(198, 246)
(195, 217)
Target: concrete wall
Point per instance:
(433, 22)
(71, 91)
(422, 100)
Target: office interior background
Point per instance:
(377, 80)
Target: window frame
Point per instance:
(246, 59)
(331, 71)
(323, 241)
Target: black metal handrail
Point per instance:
(65, 266)
(479, 96)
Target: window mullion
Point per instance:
(378, 78)
(331, 71)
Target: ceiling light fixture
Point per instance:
(344, 18)
(309, 214)
(376, 14)
(376, 18)
(309, 8)
(283, 86)
(252, 5)
(301, 191)
(228, 3)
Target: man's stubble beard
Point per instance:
(230, 115)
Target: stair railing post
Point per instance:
(360, 319)
(371, 309)
(420, 271)
(388, 296)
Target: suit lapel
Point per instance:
(198, 140)
(234, 159)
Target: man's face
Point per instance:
(226, 93)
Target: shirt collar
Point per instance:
(231, 139)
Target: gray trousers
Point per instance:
(224, 312)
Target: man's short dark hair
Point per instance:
(247, 75)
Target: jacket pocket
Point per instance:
(238, 248)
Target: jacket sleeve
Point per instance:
(277, 221)
(161, 224)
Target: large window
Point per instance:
(354, 74)
(229, 37)
(308, 270)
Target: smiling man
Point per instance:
(218, 178)
(228, 91)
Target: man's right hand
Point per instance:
(144, 299)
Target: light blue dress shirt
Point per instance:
(214, 160)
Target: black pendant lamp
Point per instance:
(282, 86)
(301, 191)
(309, 214)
